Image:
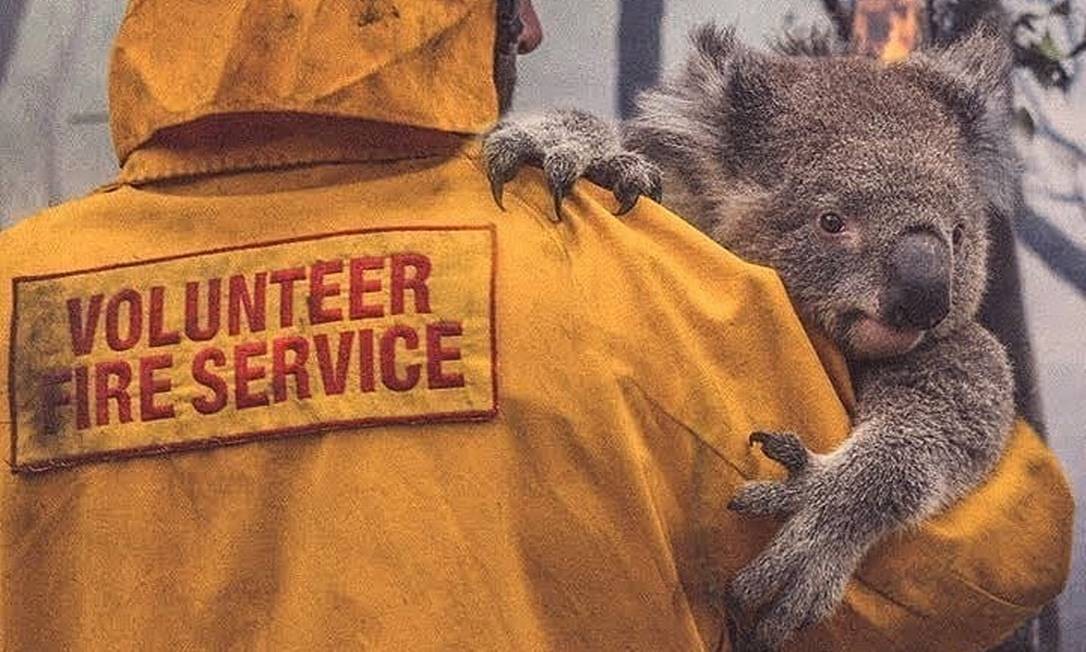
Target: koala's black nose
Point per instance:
(919, 292)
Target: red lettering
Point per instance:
(82, 399)
(367, 382)
(243, 373)
(209, 379)
(334, 378)
(286, 278)
(388, 358)
(360, 286)
(296, 367)
(254, 303)
(416, 282)
(83, 331)
(113, 316)
(103, 390)
(435, 354)
(318, 290)
(150, 386)
(192, 310)
(159, 337)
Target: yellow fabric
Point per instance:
(425, 64)
(631, 359)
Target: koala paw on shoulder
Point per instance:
(569, 145)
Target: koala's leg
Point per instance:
(568, 145)
(930, 426)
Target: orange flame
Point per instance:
(887, 29)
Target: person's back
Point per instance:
(295, 382)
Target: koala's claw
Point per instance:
(505, 151)
(626, 205)
(785, 448)
(769, 497)
(557, 207)
(496, 188)
(629, 175)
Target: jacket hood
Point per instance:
(419, 63)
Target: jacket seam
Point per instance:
(992, 596)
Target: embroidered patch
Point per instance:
(290, 337)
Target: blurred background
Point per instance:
(55, 145)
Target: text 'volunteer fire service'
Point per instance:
(226, 346)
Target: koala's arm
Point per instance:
(967, 577)
(933, 422)
(569, 144)
(929, 428)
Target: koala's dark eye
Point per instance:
(957, 235)
(831, 222)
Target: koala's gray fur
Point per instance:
(756, 149)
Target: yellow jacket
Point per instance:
(294, 381)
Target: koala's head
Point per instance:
(867, 186)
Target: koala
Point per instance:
(868, 187)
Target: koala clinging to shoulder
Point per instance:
(868, 188)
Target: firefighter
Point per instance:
(293, 381)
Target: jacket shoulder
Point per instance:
(59, 231)
(701, 331)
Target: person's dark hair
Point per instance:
(509, 26)
(505, 52)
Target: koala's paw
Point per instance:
(769, 498)
(629, 175)
(567, 146)
(795, 583)
(506, 149)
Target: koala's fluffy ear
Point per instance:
(683, 119)
(731, 74)
(714, 46)
(974, 72)
(972, 78)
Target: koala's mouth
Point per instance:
(871, 337)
